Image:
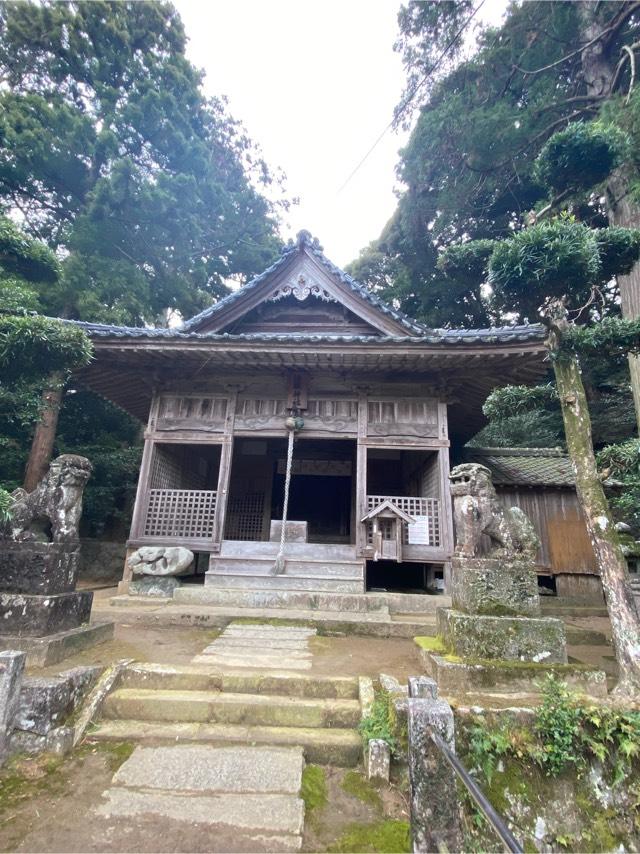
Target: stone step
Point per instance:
(230, 708)
(341, 747)
(198, 678)
(224, 580)
(265, 567)
(286, 599)
(234, 790)
(314, 551)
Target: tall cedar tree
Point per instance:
(469, 168)
(110, 152)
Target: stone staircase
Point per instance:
(308, 567)
(160, 704)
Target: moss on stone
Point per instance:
(23, 778)
(313, 791)
(356, 785)
(431, 644)
(116, 752)
(386, 837)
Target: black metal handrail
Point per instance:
(508, 839)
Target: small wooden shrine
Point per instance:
(380, 400)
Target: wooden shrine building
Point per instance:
(384, 401)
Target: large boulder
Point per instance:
(159, 561)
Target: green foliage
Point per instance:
(518, 399)
(381, 722)
(110, 148)
(549, 259)
(621, 463)
(569, 732)
(469, 170)
(467, 261)
(26, 258)
(612, 336)
(5, 505)
(34, 346)
(581, 156)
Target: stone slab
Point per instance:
(274, 663)
(295, 532)
(200, 768)
(43, 651)
(320, 745)
(258, 645)
(30, 615)
(271, 813)
(476, 636)
(159, 586)
(39, 568)
(460, 679)
(11, 669)
(495, 586)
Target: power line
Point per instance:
(412, 94)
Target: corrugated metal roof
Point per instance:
(525, 466)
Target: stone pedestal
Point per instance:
(40, 610)
(477, 636)
(495, 586)
(494, 639)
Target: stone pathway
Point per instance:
(260, 647)
(246, 797)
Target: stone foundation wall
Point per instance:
(101, 561)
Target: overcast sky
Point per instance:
(314, 84)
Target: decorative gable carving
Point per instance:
(302, 288)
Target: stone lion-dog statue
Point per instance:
(51, 513)
(477, 511)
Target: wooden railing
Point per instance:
(187, 513)
(427, 508)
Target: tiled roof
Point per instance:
(496, 335)
(525, 466)
(305, 240)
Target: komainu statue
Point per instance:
(51, 513)
(477, 511)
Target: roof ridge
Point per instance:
(518, 452)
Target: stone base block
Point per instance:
(495, 586)
(26, 615)
(43, 651)
(154, 585)
(460, 679)
(536, 639)
(39, 568)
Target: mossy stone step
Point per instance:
(321, 746)
(203, 678)
(230, 708)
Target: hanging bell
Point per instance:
(294, 422)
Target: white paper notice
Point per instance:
(419, 531)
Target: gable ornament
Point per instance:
(302, 288)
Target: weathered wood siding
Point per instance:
(557, 518)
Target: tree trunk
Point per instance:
(45, 433)
(625, 627)
(599, 70)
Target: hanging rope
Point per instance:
(280, 562)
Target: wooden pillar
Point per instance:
(224, 474)
(361, 475)
(142, 492)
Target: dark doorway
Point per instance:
(324, 502)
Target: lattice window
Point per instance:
(429, 507)
(245, 514)
(166, 467)
(402, 412)
(187, 513)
